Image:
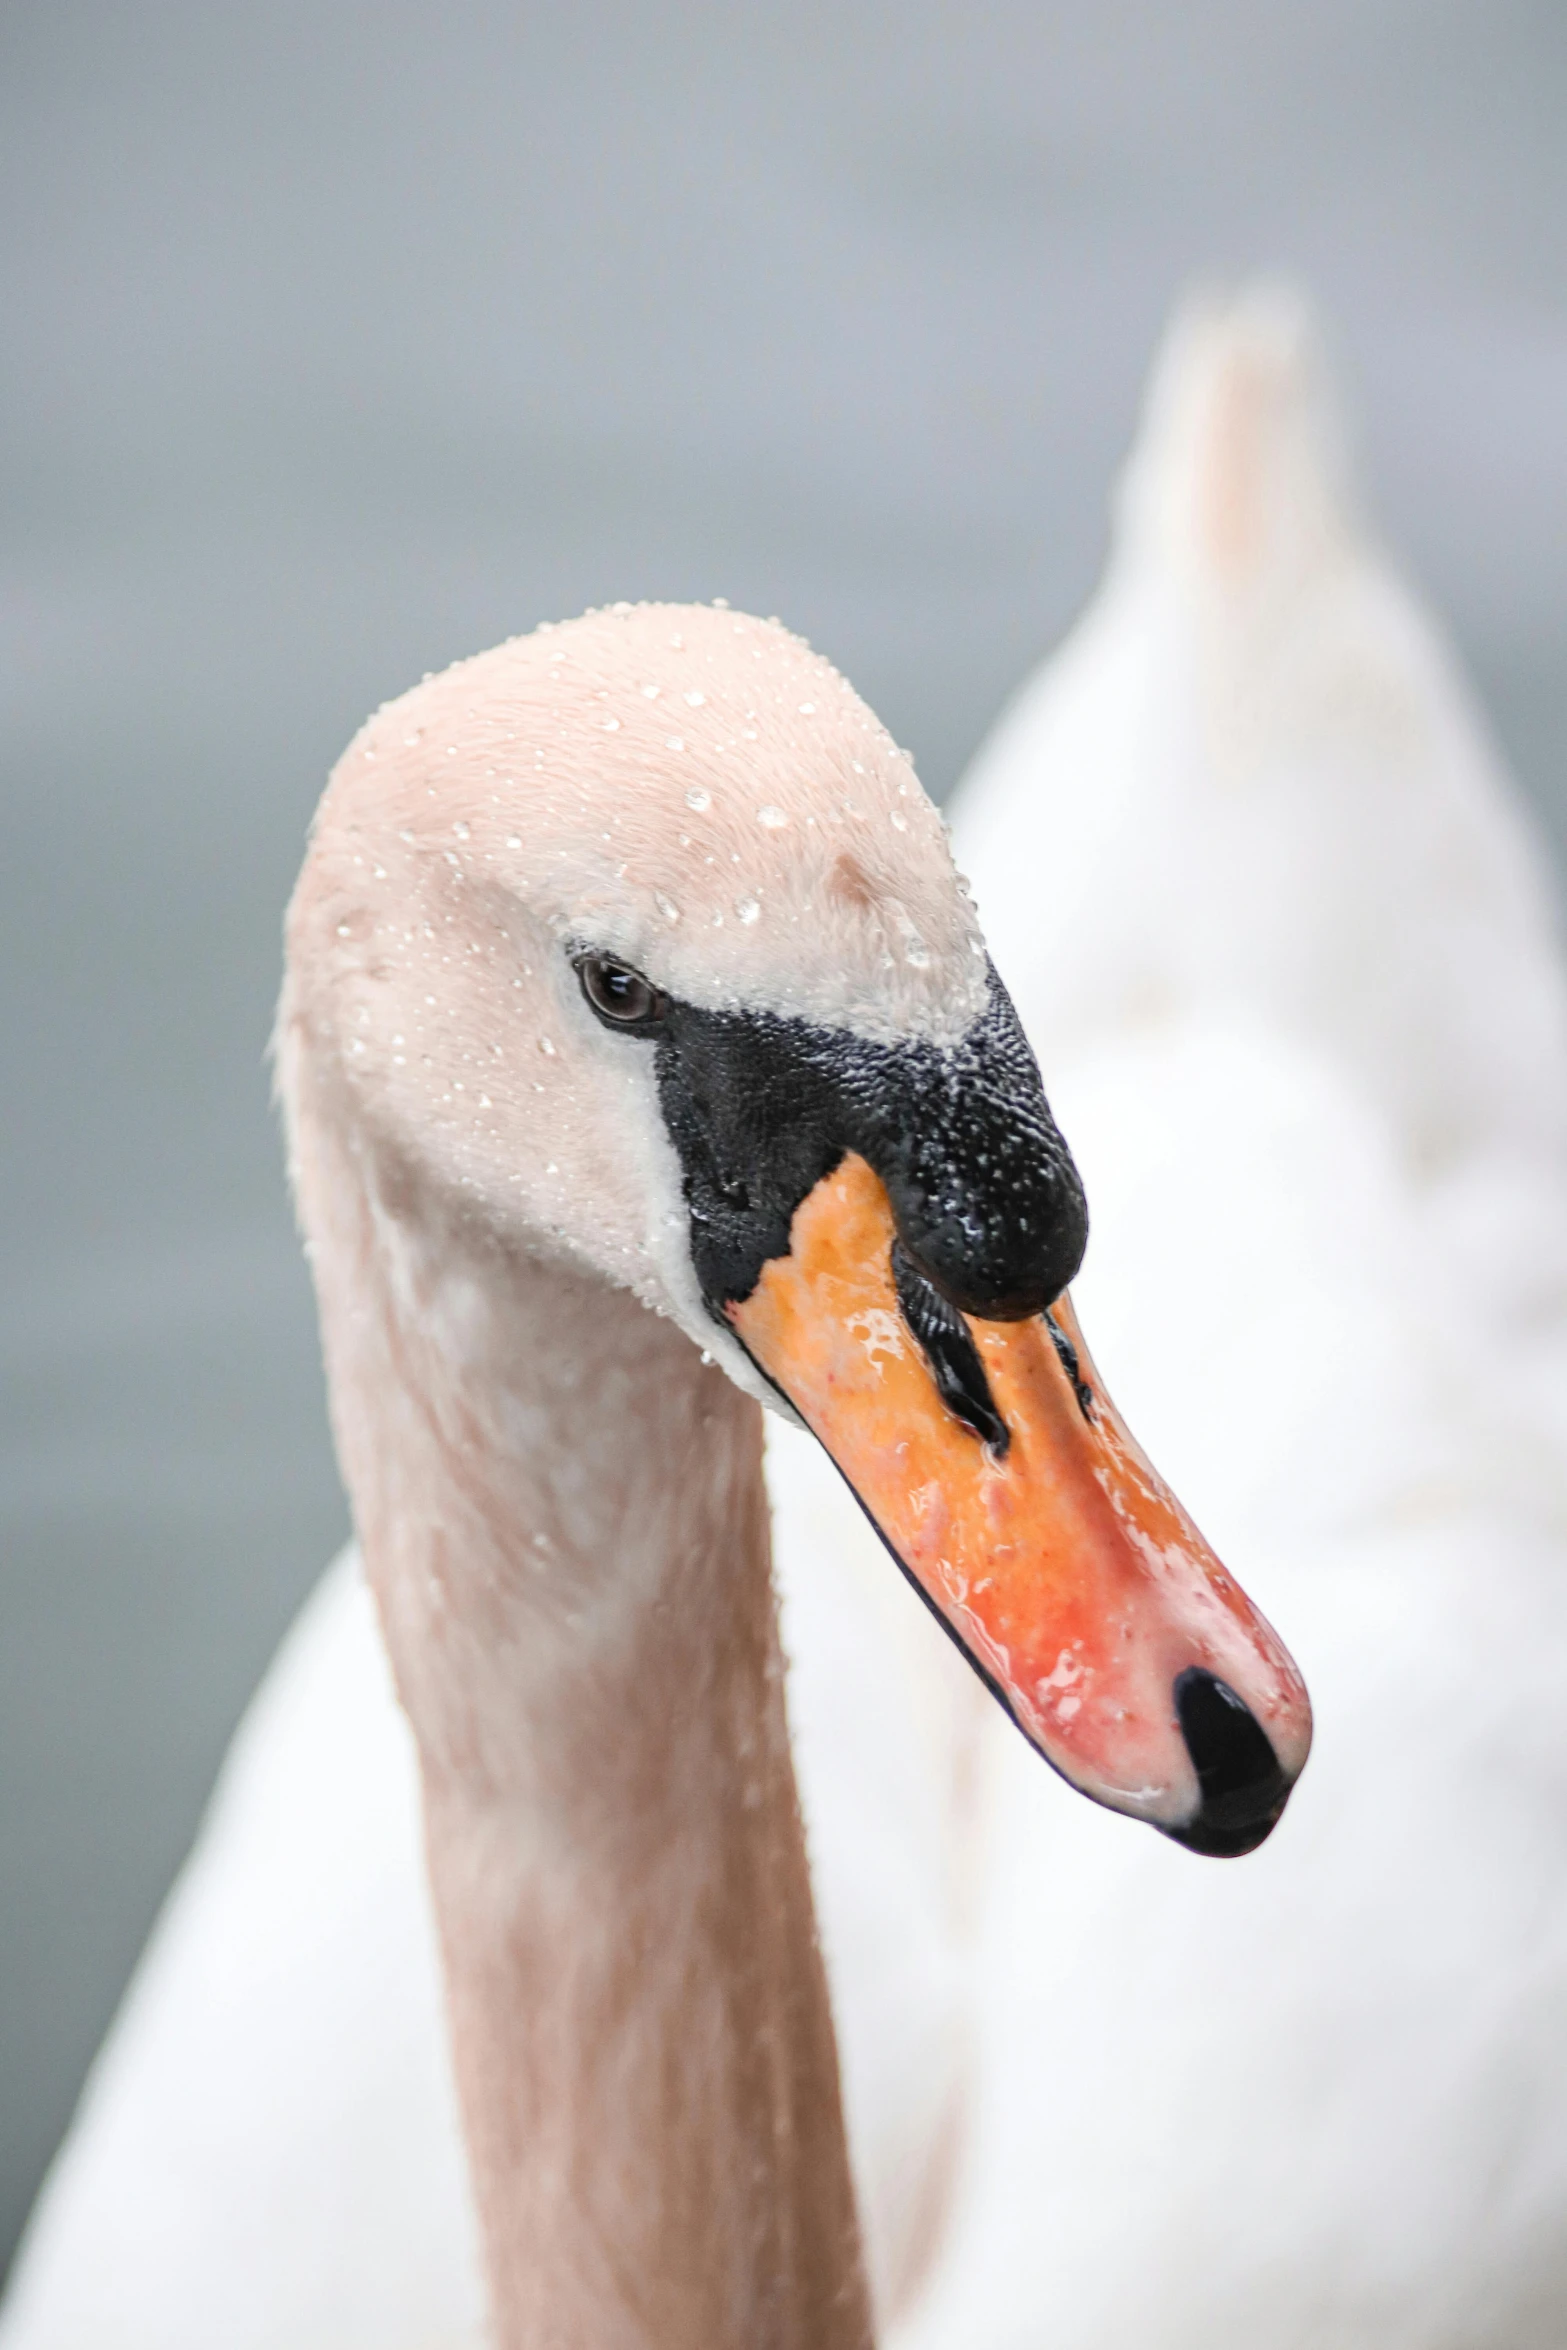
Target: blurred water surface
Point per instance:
(342, 340)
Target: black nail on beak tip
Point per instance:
(1243, 1788)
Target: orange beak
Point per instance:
(1054, 1553)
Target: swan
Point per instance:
(635, 1078)
(1340, 1163)
(1326, 1043)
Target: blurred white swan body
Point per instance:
(1322, 2102)
(1276, 930)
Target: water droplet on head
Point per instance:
(666, 906)
(696, 697)
(747, 909)
(545, 1046)
(674, 742)
(773, 818)
(807, 709)
(698, 799)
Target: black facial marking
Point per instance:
(986, 1200)
(1070, 1365)
(948, 1347)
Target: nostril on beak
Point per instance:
(1243, 1788)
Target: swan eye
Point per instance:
(621, 997)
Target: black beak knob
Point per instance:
(1243, 1788)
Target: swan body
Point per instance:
(1322, 2103)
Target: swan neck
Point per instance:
(564, 1522)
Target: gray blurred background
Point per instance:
(341, 340)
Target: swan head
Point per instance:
(638, 941)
